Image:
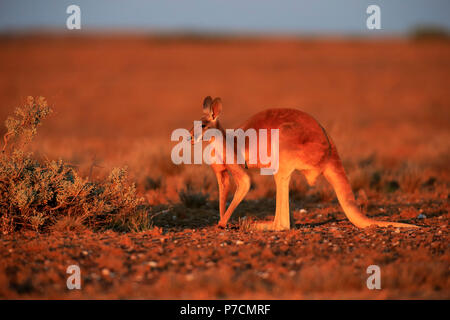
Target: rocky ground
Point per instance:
(186, 256)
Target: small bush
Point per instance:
(37, 194)
(152, 184)
(429, 32)
(192, 199)
(410, 178)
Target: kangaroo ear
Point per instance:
(207, 104)
(216, 108)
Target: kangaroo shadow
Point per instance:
(179, 217)
(316, 224)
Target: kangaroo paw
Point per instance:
(279, 228)
(221, 225)
(263, 226)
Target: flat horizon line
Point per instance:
(179, 34)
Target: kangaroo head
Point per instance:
(211, 111)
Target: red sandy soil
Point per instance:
(315, 260)
(385, 103)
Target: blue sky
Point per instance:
(275, 16)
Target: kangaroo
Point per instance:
(304, 145)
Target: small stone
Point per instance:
(421, 216)
(239, 242)
(94, 276)
(139, 278)
(152, 264)
(84, 252)
(189, 277)
(397, 230)
(105, 272)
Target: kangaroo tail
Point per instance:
(335, 174)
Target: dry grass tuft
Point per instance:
(192, 199)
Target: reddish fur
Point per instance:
(303, 145)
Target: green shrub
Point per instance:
(36, 194)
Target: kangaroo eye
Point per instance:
(203, 125)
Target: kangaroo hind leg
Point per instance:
(282, 219)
